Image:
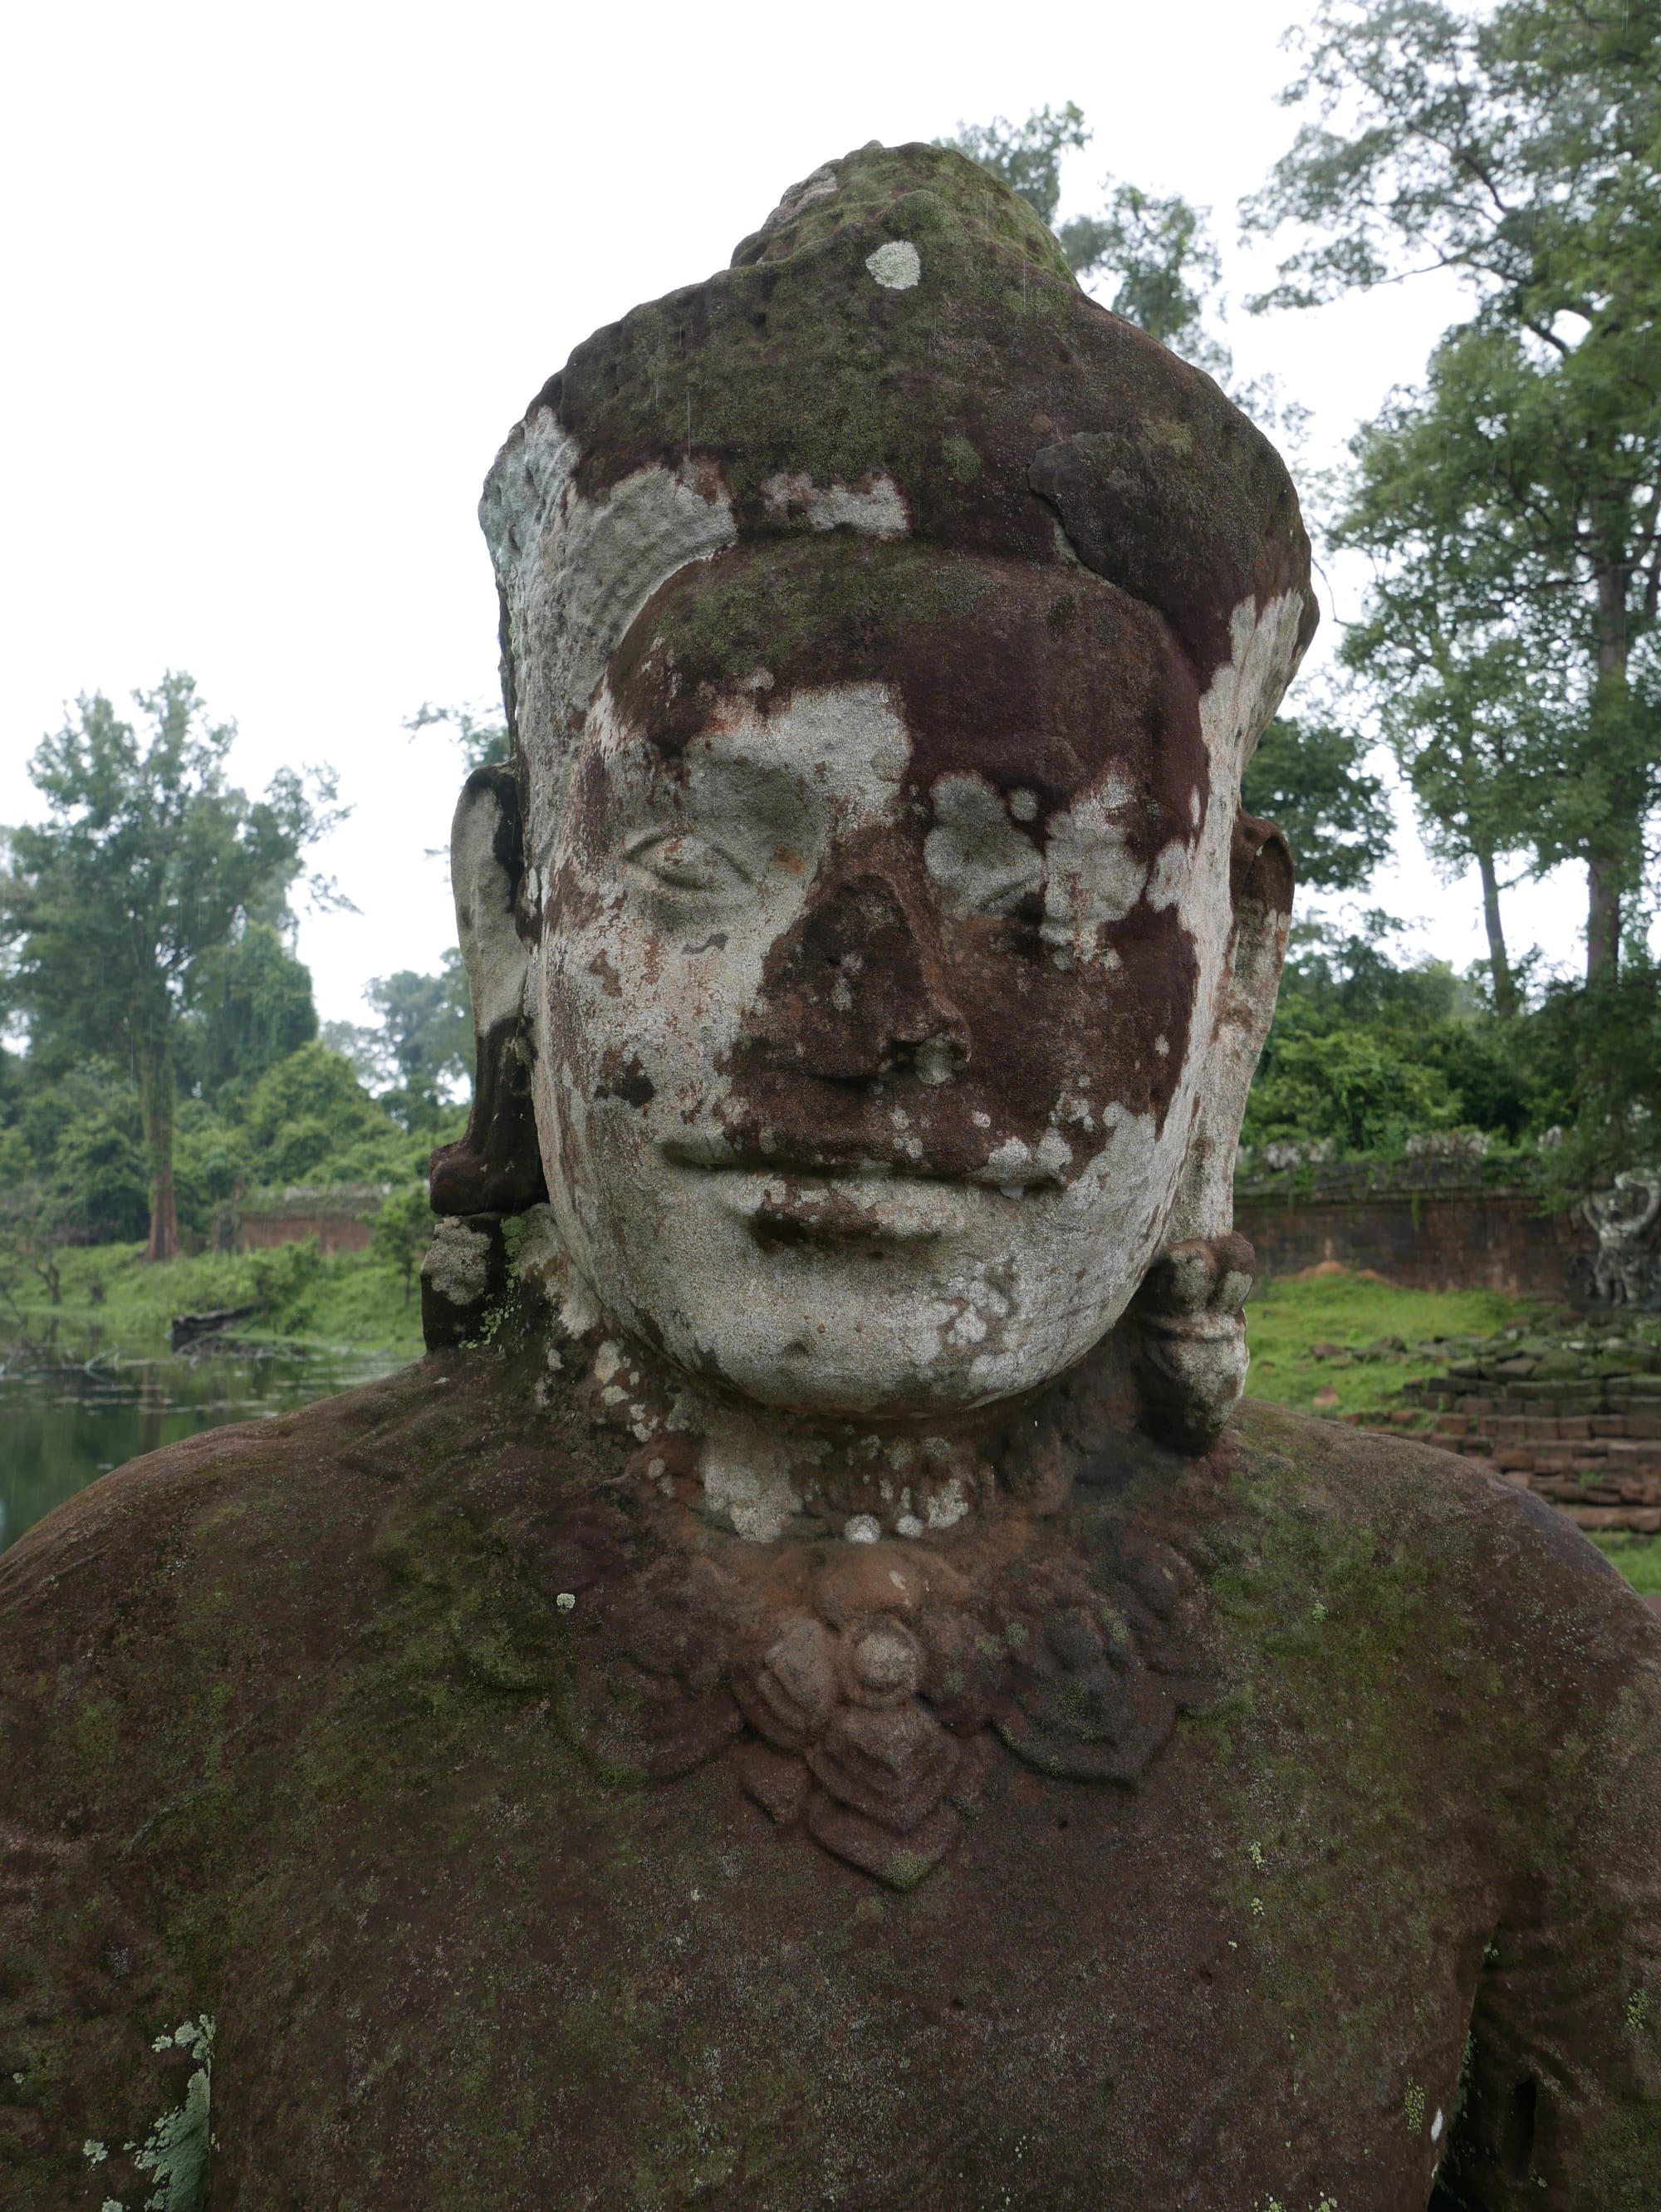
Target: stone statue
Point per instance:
(1622, 1218)
(814, 1693)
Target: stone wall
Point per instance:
(1428, 1225)
(1588, 1442)
(341, 1217)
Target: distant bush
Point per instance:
(1355, 1087)
(99, 1177)
(286, 1278)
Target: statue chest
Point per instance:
(660, 1996)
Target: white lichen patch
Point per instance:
(1168, 877)
(948, 1505)
(897, 266)
(491, 948)
(1239, 965)
(981, 858)
(541, 1263)
(609, 1361)
(457, 1262)
(1091, 877)
(745, 1468)
(575, 572)
(1243, 694)
(178, 2149)
(873, 507)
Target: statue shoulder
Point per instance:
(1518, 1572)
(268, 1524)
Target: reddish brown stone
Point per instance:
(297, 1731)
(777, 1783)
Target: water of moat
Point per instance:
(73, 1407)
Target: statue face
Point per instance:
(876, 987)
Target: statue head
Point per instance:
(868, 921)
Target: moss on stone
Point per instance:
(797, 363)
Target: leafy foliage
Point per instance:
(147, 862)
(1309, 778)
(1025, 157)
(1161, 254)
(1367, 1054)
(1595, 1054)
(404, 1229)
(1157, 254)
(250, 1006)
(422, 1046)
(1513, 508)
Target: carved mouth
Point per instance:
(875, 1207)
(711, 1152)
(864, 1211)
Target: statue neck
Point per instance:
(1172, 1370)
(766, 1473)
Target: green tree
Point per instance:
(1309, 778)
(147, 860)
(424, 1039)
(1025, 157)
(251, 1004)
(1473, 707)
(1520, 148)
(1165, 263)
(308, 1109)
(1367, 1051)
(1157, 253)
(418, 1055)
(99, 1178)
(1594, 1055)
(1367, 1090)
(403, 1231)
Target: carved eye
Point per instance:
(681, 860)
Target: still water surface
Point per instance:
(70, 1412)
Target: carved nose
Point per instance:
(852, 998)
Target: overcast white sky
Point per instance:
(276, 282)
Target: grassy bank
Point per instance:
(1353, 1340)
(1340, 1344)
(352, 1298)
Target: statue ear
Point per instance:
(1260, 887)
(497, 1167)
(1189, 1333)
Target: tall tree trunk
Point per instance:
(1498, 960)
(1603, 919)
(156, 1104)
(1605, 872)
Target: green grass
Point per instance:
(1638, 1557)
(353, 1298)
(1287, 1318)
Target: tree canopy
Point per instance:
(147, 862)
(1310, 778)
(1520, 148)
(1156, 254)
